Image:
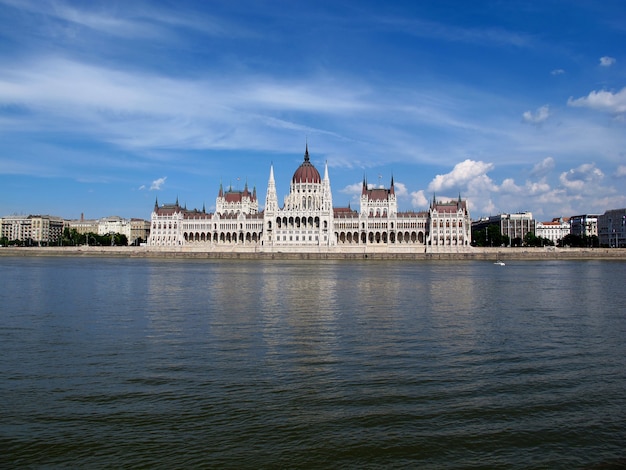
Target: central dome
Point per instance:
(306, 172)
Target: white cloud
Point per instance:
(537, 188)
(621, 171)
(401, 190)
(352, 189)
(557, 72)
(418, 199)
(538, 117)
(602, 101)
(464, 173)
(158, 184)
(142, 187)
(607, 61)
(508, 186)
(582, 179)
(543, 167)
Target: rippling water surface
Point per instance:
(285, 364)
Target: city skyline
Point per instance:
(517, 106)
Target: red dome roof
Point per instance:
(306, 173)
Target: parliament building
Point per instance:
(307, 221)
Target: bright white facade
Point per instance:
(307, 221)
(306, 218)
(114, 224)
(555, 230)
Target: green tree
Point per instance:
(479, 238)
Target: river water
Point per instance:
(137, 363)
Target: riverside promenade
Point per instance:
(337, 253)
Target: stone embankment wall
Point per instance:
(369, 252)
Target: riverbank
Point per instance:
(547, 253)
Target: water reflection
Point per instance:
(248, 364)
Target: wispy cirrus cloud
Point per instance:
(131, 21)
(543, 167)
(448, 32)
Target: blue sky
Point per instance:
(516, 105)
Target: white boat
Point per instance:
(499, 263)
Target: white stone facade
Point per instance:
(114, 224)
(308, 222)
(555, 230)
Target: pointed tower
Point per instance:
(364, 198)
(327, 194)
(271, 209)
(271, 199)
(392, 200)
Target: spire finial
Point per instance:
(306, 152)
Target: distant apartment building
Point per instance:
(41, 230)
(114, 224)
(134, 229)
(139, 231)
(555, 230)
(511, 225)
(585, 225)
(612, 228)
(82, 225)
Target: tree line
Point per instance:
(71, 237)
